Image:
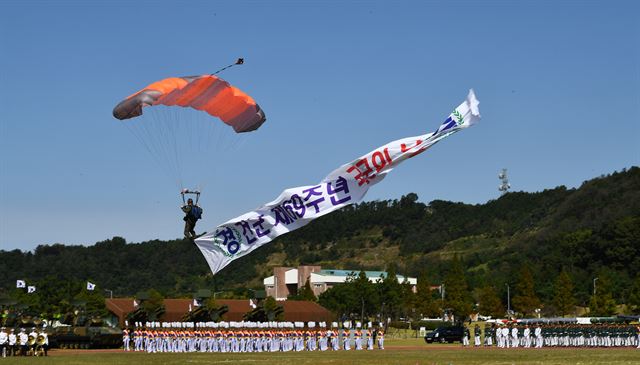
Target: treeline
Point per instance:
(361, 298)
(589, 232)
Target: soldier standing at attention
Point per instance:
(526, 334)
(465, 337)
(4, 339)
(488, 335)
(538, 334)
(13, 339)
(370, 339)
(23, 342)
(514, 336)
(381, 339)
(125, 339)
(358, 339)
(476, 336)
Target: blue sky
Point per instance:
(558, 82)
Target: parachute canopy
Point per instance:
(208, 93)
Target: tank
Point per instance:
(94, 333)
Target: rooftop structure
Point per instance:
(286, 281)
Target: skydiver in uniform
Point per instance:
(192, 214)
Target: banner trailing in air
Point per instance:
(348, 184)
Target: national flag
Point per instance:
(31, 289)
(21, 284)
(90, 285)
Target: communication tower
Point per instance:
(504, 182)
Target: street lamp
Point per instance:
(594, 286)
(508, 299)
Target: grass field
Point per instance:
(409, 351)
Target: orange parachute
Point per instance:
(207, 93)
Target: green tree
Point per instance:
(457, 297)
(366, 294)
(341, 299)
(525, 301)
(602, 302)
(408, 298)
(306, 293)
(390, 292)
(490, 303)
(634, 296)
(563, 297)
(424, 304)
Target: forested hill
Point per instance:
(591, 231)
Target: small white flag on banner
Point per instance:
(189, 307)
(21, 284)
(348, 184)
(90, 285)
(195, 302)
(135, 304)
(31, 289)
(252, 304)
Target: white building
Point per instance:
(286, 281)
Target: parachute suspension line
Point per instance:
(137, 133)
(173, 133)
(239, 61)
(159, 131)
(156, 132)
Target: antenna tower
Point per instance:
(504, 182)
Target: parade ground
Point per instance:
(410, 351)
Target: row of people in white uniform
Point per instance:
(204, 340)
(574, 335)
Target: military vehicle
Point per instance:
(84, 334)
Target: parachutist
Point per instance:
(192, 213)
(240, 61)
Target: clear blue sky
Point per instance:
(558, 82)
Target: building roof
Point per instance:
(175, 309)
(340, 276)
(290, 277)
(334, 276)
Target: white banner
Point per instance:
(346, 185)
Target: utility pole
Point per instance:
(508, 299)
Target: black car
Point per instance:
(445, 334)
